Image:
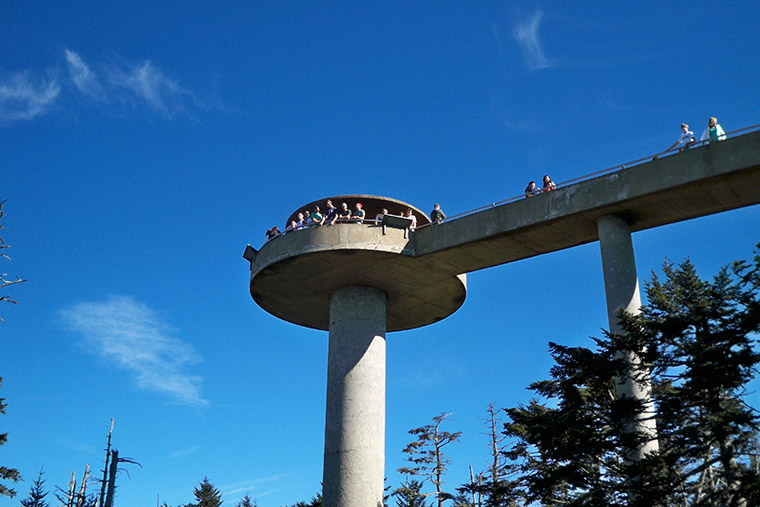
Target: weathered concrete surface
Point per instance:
(354, 463)
(621, 287)
(621, 282)
(717, 177)
(293, 276)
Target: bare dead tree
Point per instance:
(83, 488)
(105, 467)
(4, 281)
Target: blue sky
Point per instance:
(142, 146)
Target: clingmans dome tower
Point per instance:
(358, 281)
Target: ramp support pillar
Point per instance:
(621, 286)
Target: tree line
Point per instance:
(697, 342)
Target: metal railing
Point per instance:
(655, 156)
(617, 167)
(344, 220)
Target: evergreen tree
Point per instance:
(316, 501)
(206, 495)
(567, 449)
(427, 457)
(462, 500)
(246, 501)
(6, 473)
(410, 495)
(700, 336)
(696, 337)
(37, 493)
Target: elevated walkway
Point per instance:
(709, 179)
(423, 274)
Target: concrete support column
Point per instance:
(355, 420)
(621, 286)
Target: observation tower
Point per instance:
(359, 281)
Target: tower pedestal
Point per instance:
(355, 418)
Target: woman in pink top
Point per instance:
(548, 184)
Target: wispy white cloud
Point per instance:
(526, 34)
(181, 453)
(84, 79)
(23, 98)
(149, 83)
(78, 446)
(133, 336)
(249, 485)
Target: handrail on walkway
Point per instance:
(522, 196)
(589, 176)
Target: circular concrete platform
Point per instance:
(293, 275)
(371, 204)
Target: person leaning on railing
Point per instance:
(317, 217)
(686, 140)
(359, 213)
(437, 216)
(531, 189)
(713, 132)
(344, 214)
(301, 223)
(272, 233)
(331, 213)
(411, 215)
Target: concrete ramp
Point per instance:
(717, 177)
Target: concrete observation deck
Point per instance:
(422, 275)
(293, 275)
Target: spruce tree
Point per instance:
(567, 448)
(206, 495)
(246, 501)
(701, 337)
(6, 473)
(37, 493)
(697, 338)
(410, 495)
(426, 456)
(493, 487)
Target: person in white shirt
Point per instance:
(411, 215)
(301, 223)
(685, 141)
